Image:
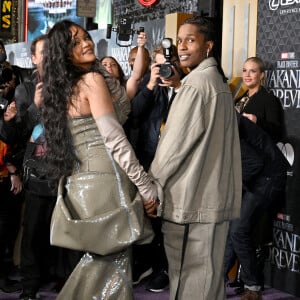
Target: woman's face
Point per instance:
(251, 75)
(83, 48)
(111, 67)
(192, 47)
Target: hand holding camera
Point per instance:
(10, 112)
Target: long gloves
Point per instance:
(115, 140)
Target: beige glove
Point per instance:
(115, 140)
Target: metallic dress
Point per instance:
(98, 180)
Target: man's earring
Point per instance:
(207, 53)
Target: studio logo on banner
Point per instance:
(284, 80)
(275, 4)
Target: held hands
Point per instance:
(150, 207)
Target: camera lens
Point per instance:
(166, 71)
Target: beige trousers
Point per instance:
(201, 276)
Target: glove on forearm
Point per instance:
(115, 140)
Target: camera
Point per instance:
(125, 31)
(3, 104)
(165, 70)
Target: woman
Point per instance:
(257, 104)
(138, 65)
(86, 143)
(264, 109)
(113, 68)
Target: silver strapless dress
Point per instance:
(97, 277)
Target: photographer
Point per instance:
(10, 209)
(149, 112)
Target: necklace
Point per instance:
(241, 104)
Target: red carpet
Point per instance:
(141, 294)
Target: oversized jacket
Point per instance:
(198, 161)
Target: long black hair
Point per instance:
(206, 26)
(59, 78)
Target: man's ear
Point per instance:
(210, 45)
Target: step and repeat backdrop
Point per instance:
(278, 44)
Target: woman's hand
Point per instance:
(150, 207)
(251, 117)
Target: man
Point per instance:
(10, 181)
(198, 167)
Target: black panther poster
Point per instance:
(278, 44)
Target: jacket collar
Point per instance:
(206, 63)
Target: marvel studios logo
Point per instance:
(287, 55)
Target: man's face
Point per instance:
(131, 57)
(192, 47)
(37, 58)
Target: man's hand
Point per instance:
(251, 117)
(153, 77)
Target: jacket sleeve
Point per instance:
(185, 120)
(8, 131)
(143, 99)
(272, 123)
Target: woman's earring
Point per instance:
(207, 53)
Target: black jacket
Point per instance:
(149, 108)
(269, 112)
(261, 158)
(19, 129)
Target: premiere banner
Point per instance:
(278, 44)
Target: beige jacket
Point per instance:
(198, 163)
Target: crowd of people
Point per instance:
(110, 180)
